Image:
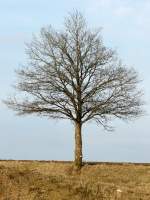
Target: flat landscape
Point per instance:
(39, 180)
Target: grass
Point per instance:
(33, 180)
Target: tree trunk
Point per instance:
(78, 145)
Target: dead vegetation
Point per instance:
(23, 180)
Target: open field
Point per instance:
(33, 180)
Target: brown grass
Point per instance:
(33, 180)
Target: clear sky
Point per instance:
(126, 27)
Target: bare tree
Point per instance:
(72, 75)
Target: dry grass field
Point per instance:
(33, 180)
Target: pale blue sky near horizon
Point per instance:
(126, 28)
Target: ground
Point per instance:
(34, 180)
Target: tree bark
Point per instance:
(78, 145)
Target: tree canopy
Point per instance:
(71, 75)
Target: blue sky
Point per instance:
(126, 27)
